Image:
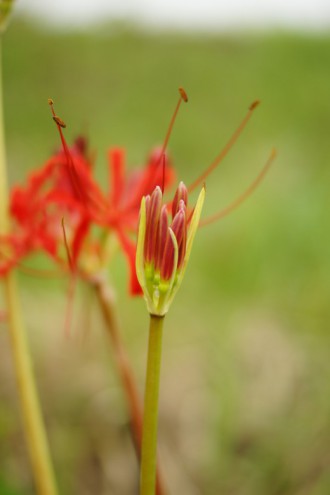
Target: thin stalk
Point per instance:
(33, 424)
(106, 300)
(3, 168)
(150, 419)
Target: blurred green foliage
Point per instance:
(245, 393)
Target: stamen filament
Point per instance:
(67, 249)
(163, 172)
(183, 97)
(85, 196)
(72, 284)
(72, 172)
(238, 201)
(223, 153)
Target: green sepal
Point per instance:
(139, 260)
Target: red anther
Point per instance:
(59, 121)
(183, 97)
(183, 94)
(254, 105)
(89, 195)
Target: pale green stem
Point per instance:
(33, 423)
(150, 419)
(3, 170)
(106, 300)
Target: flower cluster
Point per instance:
(63, 195)
(64, 187)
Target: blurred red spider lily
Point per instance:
(35, 211)
(65, 188)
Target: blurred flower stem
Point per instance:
(105, 297)
(32, 418)
(150, 419)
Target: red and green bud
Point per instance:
(163, 248)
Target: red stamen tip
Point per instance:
(183, 94)
(254, 105)
(59, 121)
(183, 97)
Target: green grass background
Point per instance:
(245, 401)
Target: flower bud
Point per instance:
(163, 250)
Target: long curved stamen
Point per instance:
(84, 196)
(72, 284)
(223, 153)
(161, 159)
(238, 201)
(76, 183)
(183, 97)
(67, 249)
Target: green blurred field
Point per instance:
(245, 401)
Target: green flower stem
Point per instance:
(150, 419)
(33, 424)
(105, 297)
(3, 169)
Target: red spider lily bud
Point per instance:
(163, 250)
(181, 194)
(153, 205)
(179, 227)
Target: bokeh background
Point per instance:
(245, 395)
